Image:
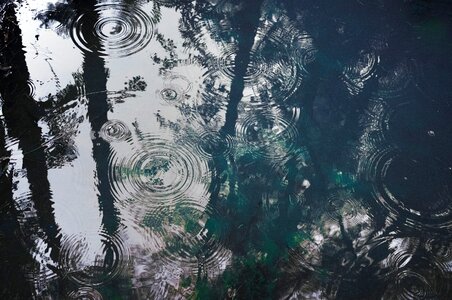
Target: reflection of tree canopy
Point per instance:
(288, 73)
(34, 215)
(254, 204)
(62, 14)
(323, 40)
(62, 115)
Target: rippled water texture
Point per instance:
(225, 149)
(118, 30)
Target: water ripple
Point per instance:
(85, 293)
(226, 65)
(306, 58)
(305, 53)
(170, 94)
(393, 81)
(211, 143)
(192, 241)
(307, 253)
(121, 30)
(93, 259)
(175, 89)
(422, 279)
(413, 286)
(357, 220)
(31, 88)
(270, 134)
(159, 172)
(400, 253)
(269, 78)
(187, 239)
(360, 70)
(414, 189)
(441, 250)
(114, 131)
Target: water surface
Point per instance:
(225, 149)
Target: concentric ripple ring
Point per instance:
(93, 259)
(271, 135)
(158, 172)
(414, 189)
(112, 29)
(114, 130)
(86, 293)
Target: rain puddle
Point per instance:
(225, 149)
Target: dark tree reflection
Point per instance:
(21, 114)
(258, 212)
(14, 256)
(246, 27)
(95, 78)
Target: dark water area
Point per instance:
(225, 149)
